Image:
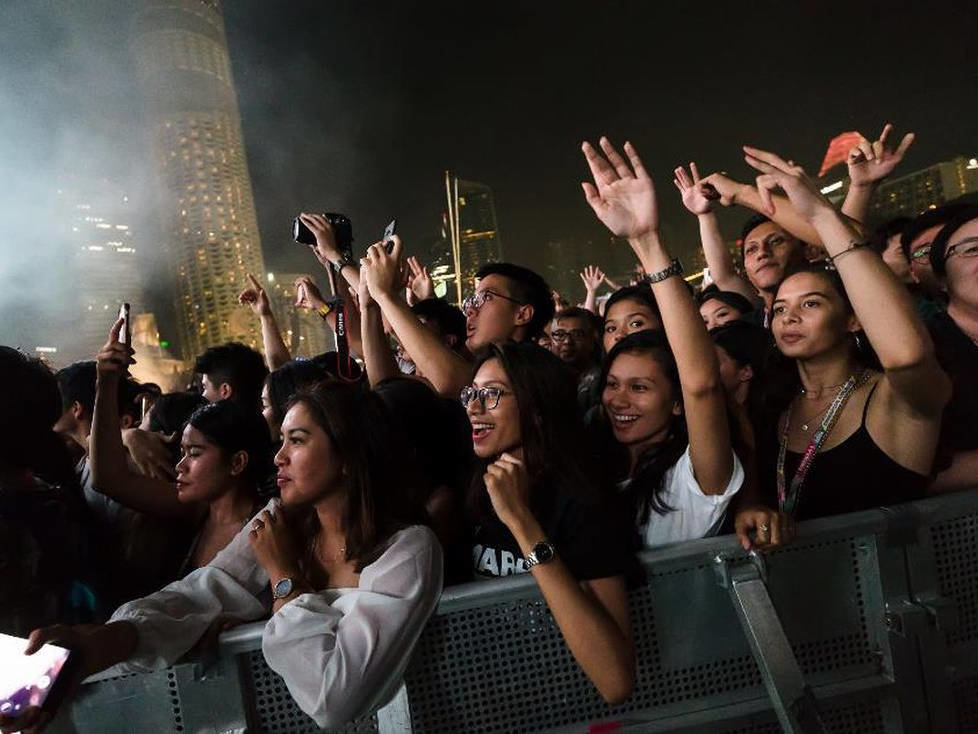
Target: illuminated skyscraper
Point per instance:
(210, 230)
(103, 267)
(472, 215)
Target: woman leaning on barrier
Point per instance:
(349, 579)
(535, 507)
(842, 435)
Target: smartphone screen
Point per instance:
(26, 680)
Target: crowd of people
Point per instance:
(831, 370)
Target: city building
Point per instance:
(154, 363)
(924, 189)
(209, 226)
(304, 332)
(103, 266)
(476, 239)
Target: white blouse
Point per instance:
(341, 652)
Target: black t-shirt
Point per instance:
(591, 539)
(958, 355)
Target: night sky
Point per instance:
(360, 107)
(353, 108)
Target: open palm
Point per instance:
(622, 195)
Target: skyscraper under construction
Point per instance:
(210, 231)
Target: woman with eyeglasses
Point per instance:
(844, 435)
(664, 415)
(535, 507)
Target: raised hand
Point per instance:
(698, 196)
(114, 357)
(622, 195)
(508, 486)
(777, 173)
(725, 187)
(382, 269)
(255, 297)
(325, 248)
(870, 162)
(593, 277)
(307, 294)
(419, 281)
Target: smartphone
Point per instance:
(125, 334)
(31, 680)
(388, 234)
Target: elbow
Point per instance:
(619, 687)
(707, 387)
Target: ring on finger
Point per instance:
(763, 528)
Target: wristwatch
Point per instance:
(674, 268)
(543, 552)
(282, 588)
(346, 259)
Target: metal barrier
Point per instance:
(866, 623)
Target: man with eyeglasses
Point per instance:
(954, 259)
(510, 302)
(916, 243)
(574, 337)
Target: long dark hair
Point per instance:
(645, 489)
(781, 380)
(377, 502)
(555, 449)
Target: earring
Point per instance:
(859, 342)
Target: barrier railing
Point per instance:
(866, 623)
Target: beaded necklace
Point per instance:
(788, 499)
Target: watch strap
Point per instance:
(674, 268)
(543, 552)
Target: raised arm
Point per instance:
(869, 163)
(377, 355)
(111, 474)
(309, 297)
(895, 331)
(326, 250)
(623, 197)
(698, 197)
(593, 277)
(276, 352)
(447, 371)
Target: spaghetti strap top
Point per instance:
(855, 475)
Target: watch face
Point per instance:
(283, 588)
(544, 552)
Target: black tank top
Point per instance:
(855, 475)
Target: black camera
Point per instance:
(342, 229)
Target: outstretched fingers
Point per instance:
(602, 171)
(905, 145)
(621, 167)
(765, 161)
(636, 161)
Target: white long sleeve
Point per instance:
(343, 652)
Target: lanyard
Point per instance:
(788, 500)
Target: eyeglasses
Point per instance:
(488, 397)
(965, 248)
(921, 252)
(561, 335)
(475, 301)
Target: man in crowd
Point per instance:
(510, 302)
(916, 243)
(232, 371)
(575, 337)
(953, 259)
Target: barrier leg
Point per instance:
(792, 700)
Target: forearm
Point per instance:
(718, 259)
(961, 475)
(377, 355)
(590, 301)
(784, 215)
(856, 204)
(107, 455)
(600, 647)
(896, 332)
(446, 370)
(276, 352)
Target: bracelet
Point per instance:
(324, 311)
(852, 246)
(675, 268)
